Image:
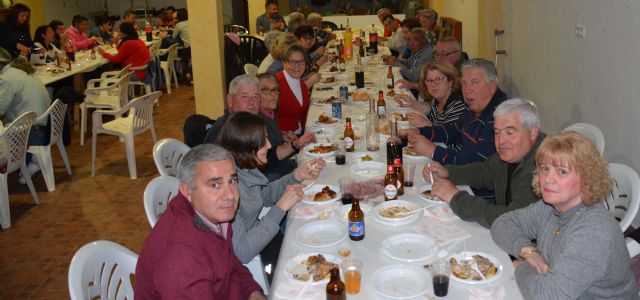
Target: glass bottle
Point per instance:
(335, 287)
(359, 68)
(373, 39)
(400, 174)
(390, 184)
(349, 137)
(394, 145)
(381, 106)
(373, 139)
(348, 43)
(356, 221)
(390, 79)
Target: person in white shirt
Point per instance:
(396, 41)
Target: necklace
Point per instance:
(578, 212)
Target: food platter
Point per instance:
(319, 150)
(318, 194)
(297, 268)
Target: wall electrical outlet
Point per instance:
(580, 31)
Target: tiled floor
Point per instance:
(35, 252)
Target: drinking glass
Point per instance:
(440, 272)
(409, 174)
(352, 269)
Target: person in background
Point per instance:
(129, 16)
(407, 25)
(421, 54)
(269, 92)
(181, 31)
(508, 173)
(245, 136)
(167, 20)
(77, 36)
(295, 19)
(15, 35)
(103, 29)
(428, 18)
(270, 39)
(277, 53)
(383, 13)
(58, 28)
(294, 93)
(448, 50)
(322, 36)
(314, 58)
(131, 51)
(270, 20)
(568, 244)
(189, 252)
(396, 41)
(43, 39)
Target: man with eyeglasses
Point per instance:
(448, 50)
(245, 95)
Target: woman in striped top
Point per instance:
(440, 83)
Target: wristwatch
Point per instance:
(528, 249)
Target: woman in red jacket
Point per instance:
(294, 94)
(131, 50)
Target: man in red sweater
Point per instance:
(188, 254)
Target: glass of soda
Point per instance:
(440, 272)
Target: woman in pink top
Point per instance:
(76, 34)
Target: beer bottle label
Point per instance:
(389, 82)
(342, 66)
(390, 191)
(356, 228)
(381, 111)
(348, 142)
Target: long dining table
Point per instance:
(382, 273)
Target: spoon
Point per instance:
(413, 211)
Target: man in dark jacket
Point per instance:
(508, 173)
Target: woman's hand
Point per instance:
(309, 170)
(418, 120)
(304, 140)
(536, 261)
(312, 79)
(292, 194)
(24, 50)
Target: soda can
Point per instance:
(336, 109)
(344, 92)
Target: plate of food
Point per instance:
(364, 156)
(318, 194)
(325, 120)
(410, 153)
(462, 270)
(319, 101)
(343, 211)
(319, 150)
(322, 233)
(359, 118)
(369, 169)
(400, 281)
(409, 247)
(312, 265)
(329, 71)
(360, 97)
(326, 82)
(424, 193)
(397, 211)
(401, 118)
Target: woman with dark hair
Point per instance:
(44, 38)
(131, 51)
(15, 35)
(77, 34)
(315, 56)
(245, 136)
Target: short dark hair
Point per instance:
(55, 23)
(243, 134)
(269, 2)
(77, 19)
(170, 8)
(304, 31)
(182, 15)
(37, 36)
(129, 12)
(410, 23)
(101, 20)
(129, 31)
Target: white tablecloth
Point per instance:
(369, 249)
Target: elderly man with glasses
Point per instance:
(245, 95)
(448, 50)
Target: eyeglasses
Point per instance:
(437, 80)
(296, 63)
(268, 90)
(444, 54)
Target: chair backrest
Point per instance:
(173, 53)
(56, 112)
(16, 135)
(157, 195)
(591, 132)
(116, 74)
(624, 199)
(167, 154)
(251, 69)
(153, 48)
(329, 24)
(142, 110)
(122, 86)
(195, 128)
(102, 269)
(237, 29)
(253, 49)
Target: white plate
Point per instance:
(433, 199)
(327, 72)
(359, 119)
(343, 211)
(322, 233)
(297, 262)
(335, 122)
(409, 247)
(413, 157)
(400, 281)
(357, 103)
(357, 156)
(323, 155)
(395, 203)
(469, 255)
(369, 169)
(316, 100)
(310, 192)
(322, 85)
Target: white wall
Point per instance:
(594, 80)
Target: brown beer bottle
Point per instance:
(361, 50)
(381, 106)
(356, 221)
(341, 63)
(400, 175)
(349, 137)
(335, 287)
(390, 79)
(391, 184)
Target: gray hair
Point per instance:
(384, 10)
(490, 72)
(296, 16)
(271, 37)
(314, 16)
(242, 80)
(525, 108)
(422, 33)
(201, 153)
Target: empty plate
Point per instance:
(400, 281)
(322, 233)
(409, 247)
(369, 169)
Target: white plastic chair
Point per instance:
(102, 269)
(16, 136)
(132, 84)
(112, 97)
(625, 197)
(168, 67)
(251, 69)
(114, 74)
(138, 120)
(57, 112)
(592, 132)
(157, 195)
(167, 154)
